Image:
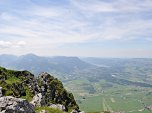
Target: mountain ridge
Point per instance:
(39, 64)
(23, 84)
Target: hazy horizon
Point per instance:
(98, 28)
(108, 57)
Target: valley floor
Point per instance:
(127, 99)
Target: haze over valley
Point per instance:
(75, 56)
(105, 83)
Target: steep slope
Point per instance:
(22, 84)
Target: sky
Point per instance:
(86, 28)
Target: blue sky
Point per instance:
(98, 28)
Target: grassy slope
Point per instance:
(51, 110)
(13, 83)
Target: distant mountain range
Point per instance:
(89, 76)
(37, 64)
(92, 69)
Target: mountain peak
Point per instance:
(22, 84)
(29, 55)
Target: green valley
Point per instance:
(98, 84)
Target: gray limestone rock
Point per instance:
(42, 111)
(1, 92)
(38, 100)
(58, 106)
(9, 104)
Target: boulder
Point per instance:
(58, 106)
(74, 111)
(9, 104)
(1, 92)
(38, 100)
(43, 111)
(82, 112)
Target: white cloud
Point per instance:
(93, 6)
(57, 26)
(11, 44)
(7, 16)
(5, 44)
(123, 6)
(21, 43)
(39, 27)
(129, 30)
(44, 12)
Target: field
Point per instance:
(129, 100)
(98, 84)
(121, 85)
(110, 96)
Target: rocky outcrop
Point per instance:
(82, 112)
(77, 111)
(53, 91)
(43, 111)
(1, 92)
(9, 104)
(42, 90)
(16, 83)
(58, 106)
(74, 111)
(38, 100)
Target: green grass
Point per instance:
(117, 98)
(49, 110)
(125, 99)
(52, 110)
(12, 79)
(28, 94)
(91, 104)
(96, 112)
